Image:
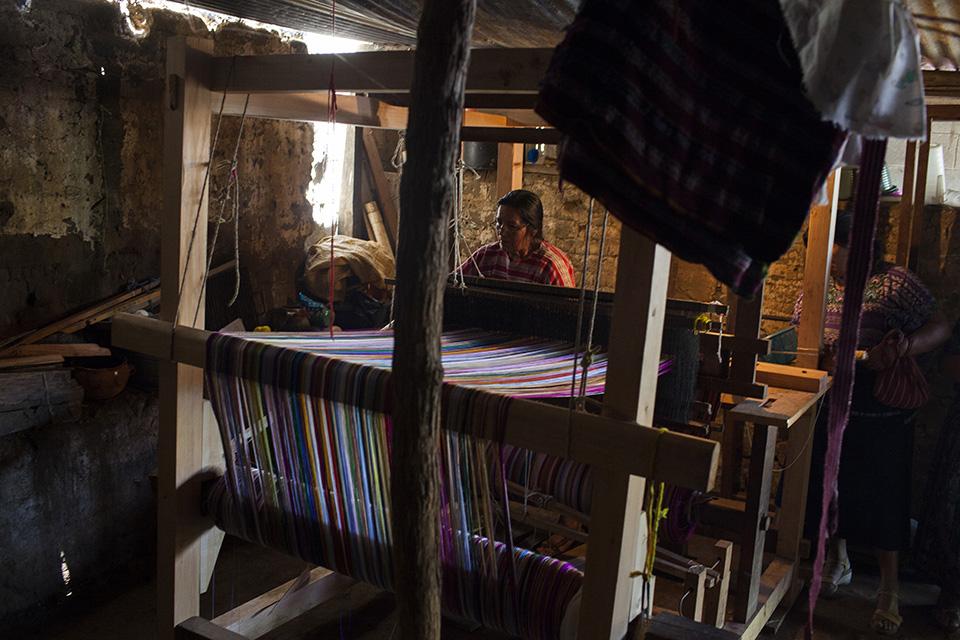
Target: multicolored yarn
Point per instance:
(305, 422)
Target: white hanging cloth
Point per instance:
(861, 64)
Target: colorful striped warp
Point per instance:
(305, 423)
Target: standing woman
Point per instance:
(899, 320)
(938, 540)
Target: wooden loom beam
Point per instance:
(427, 193)
(491, 71)
(604, 441)
(816, 274)
(617, 537)
(183, 244)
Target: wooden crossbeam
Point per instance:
(500, 70)
(606, 442)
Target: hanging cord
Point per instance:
(203, 192)
(577, 341)
(332, 120)
(233, 181)
(455, 223)
(587, 359)
(399, 157)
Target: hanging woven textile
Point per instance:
(305, 423)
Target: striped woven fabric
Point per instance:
(306, 430)
(689, 122)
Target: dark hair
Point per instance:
(530, 208)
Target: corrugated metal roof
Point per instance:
(521, 23)
(505, 23)
(939, 25)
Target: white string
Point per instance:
(587, 359)
(580, 305)
(203, 193)
(233, 181)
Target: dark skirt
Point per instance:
(938, 538)
(875, 472)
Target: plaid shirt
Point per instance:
(545, 265)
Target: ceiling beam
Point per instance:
(504, 71)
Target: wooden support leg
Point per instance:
(184, 227)
(719, 558)
(732, 454)
(694, 590)
(816, 275)
(509, 167)
(756, 521)
(426, 202)
(790, 516)
(615, 520)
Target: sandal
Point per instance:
(947, 618)
(885, 622)
(835, 575)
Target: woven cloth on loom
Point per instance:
(689, 122)
(306, 432)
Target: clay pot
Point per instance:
(103, 381)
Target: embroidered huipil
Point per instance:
(545, 265)
(894, 299)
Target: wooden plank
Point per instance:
(732, 387)
(782, 409)
(609, 593)
(790, 515)
(541, 519)
(278, 606)
(524, 135)
(941, 83)
(919, 198)
(81, 318)
(186, 131)
(719, 555)
(666, 626)
(29, 361)
(709, 340)
(509, 168)
(790, 377)
(756, 522)
(613, 443)
(746, 324)
(197, 628)
(905, 208)
(213, 462)
(816, 274)
(384, 194)
(695, 587)
(732, 452)
(774, 586)
(66, 350)
(494, 71)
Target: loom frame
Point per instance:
(280, 88)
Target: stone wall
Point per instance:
(80, 178)
(81, 131)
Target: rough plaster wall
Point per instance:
(80, 488)
(80, 210)
(80, 184)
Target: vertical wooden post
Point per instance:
(186, 133)
(919, 199)
(816, 274)
(615, 520)
(746, 324)
(756, 515)
(509, 167)
(905, 209)
(426, 201)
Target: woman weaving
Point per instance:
(520, 252)
(899, 321)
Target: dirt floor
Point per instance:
(365, 613)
